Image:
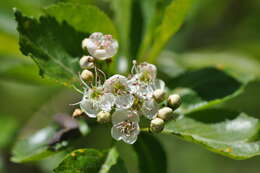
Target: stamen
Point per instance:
(126, 127)
(74, 104)
(134, 70)
(78, 90)
(96, 77)
(104, 75)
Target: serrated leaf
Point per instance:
(151, 155)
(91, 160)
(54, 41)
(232, 134)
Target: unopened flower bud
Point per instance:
(157, 125)
(174, 101)
(87, 75)
(103, 117)
(77, 113)
(165, 113)
(159, 95)
(86, 62)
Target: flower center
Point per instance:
(126, 127)
(119, 88)
(95, 93)
(145, 77)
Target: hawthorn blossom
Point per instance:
(100, 46)
(118, 86)
(122, 100)
(144, 81)
(95, 100)
(125, 126)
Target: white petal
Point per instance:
(116, 133)
(145, 91)
(159, 84)
(90, 107)
(124, 101)
(96, 35)
(150, 108)
(112, 49)
(134, 84)
(107, 101)
(100, 54)
(122, 115)
(133, 137)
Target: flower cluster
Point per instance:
(119, 99)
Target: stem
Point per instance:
(145, 130)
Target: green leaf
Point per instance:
(206, 87)
(8, 128)
(55, 44)
(91, 160)
(242, 64)
(35, 147)
(83, 18)
(232, 134)
(172, 19)
(151, 155)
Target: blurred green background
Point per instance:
(215, 29)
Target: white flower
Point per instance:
(125, 126)
(147, 72)
(118, 86)
(140, 88)
(95, 100)
(144, 82)
(100, 46)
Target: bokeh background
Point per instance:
(215, 30)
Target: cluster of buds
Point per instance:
(123, 100)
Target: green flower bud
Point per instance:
(87, 75)
(174, 101)
(159, 95)
(157, 125)
(103, 117)
(165, 113)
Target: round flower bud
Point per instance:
(86, 62)
(157, 125)
(103, 117)
(174, 101)
(159, 95)
(165, 113)
(77, 113)
(87, 75)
